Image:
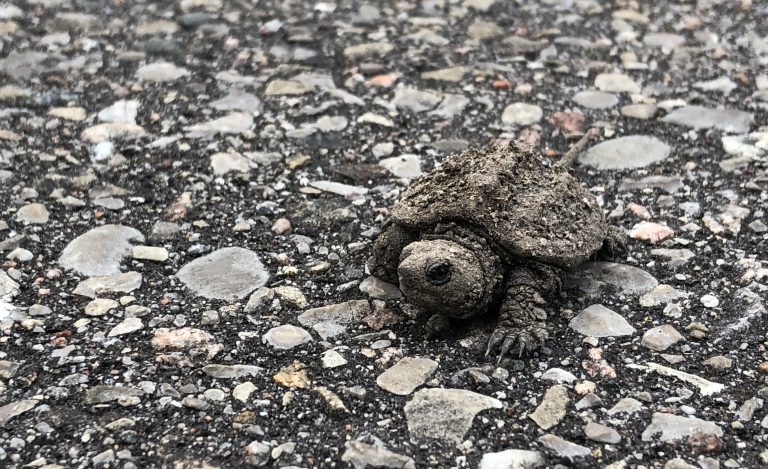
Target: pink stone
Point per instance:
(179, 339)
(653, 232)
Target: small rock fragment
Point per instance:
(669, 427)
(445, 414)
(363, 455)
(126, 326)
(406, 375)
(552, 408)
(599, 321)
(661, 338)
(601, 433)
(563, 448)
(286, 337)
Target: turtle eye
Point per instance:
(439, 274)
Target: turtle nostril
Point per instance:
(439, 274)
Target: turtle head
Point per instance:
(445, 277)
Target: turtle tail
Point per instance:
(567, 160)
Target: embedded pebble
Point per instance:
(379, 289)
(667, 427)
(403, 166)
(552, 409)
(521, 114)
(361, 455)
(639, 111)
(342, 313)
(223, 163)
(595, 278)
(333, 359)
(564, 448)
(662, 294)
(127, 326)
(150, 253)
(286, 337)
(445, 414)
(102, 285)
(180, 339)
(699, 117)
(616, 83)
(595, 99)
(406, 375)
(599, 321)
(161, 72)
(558, 375)
(34, 214)
(661, 338)
(709, 301)
(100, 306)
(601, 433)
(634, 151)
(242, 392)
(227, 274)
(512, 459)
(100, 251)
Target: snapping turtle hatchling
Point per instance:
(492, 229)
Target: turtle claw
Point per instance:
(508, 342)
(519, 340)
(496, 339)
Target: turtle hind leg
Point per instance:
(386, 251)
(614, 245)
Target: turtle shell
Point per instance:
(530, 209)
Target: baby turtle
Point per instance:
(492, 229)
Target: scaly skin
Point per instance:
(522, 324)
(386, 251)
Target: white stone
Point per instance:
(126, 327)
(122, 111)
(100, 306)
(232, 123)
(404, 166)
(150, 253)
(33, 214)
(673, 427)
(243, 391)
(226, 274)
(99, 251)
(521, 114)
(286, 337)
(161, 72)
(118, 283)
(595, 99)
(333, 359)
(661, 338)
(406, 375)
(445, 414)
(223, 163)
(616, 83)
(512, 459)
(630, 152)
(599, 321)
(699, 117)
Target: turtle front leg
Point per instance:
(522, 318)
(438, 326)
